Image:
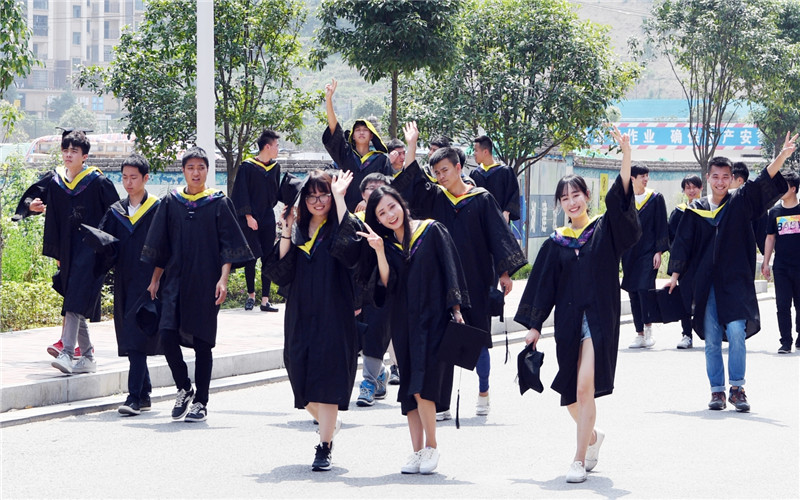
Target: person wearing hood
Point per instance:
(360, 150)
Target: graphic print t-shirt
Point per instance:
(784, 223)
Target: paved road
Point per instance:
(661, 441)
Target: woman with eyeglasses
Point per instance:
(318, 247)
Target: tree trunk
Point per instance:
(393, 117)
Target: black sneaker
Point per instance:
(717, 401)
(182, 402)
(198, 413)
(129, 407)
(322, 459)
(738, 399)
(394, 375)
(145, 404)
(785, 348)
(249, 303)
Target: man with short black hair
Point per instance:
(714, 256)
(498, 179)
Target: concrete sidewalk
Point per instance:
(249, 351)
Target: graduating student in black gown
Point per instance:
(714, 255)
(193, 241)
(498, 179)
(255, 194)
(129, 221)
(641, 262)
(692, 187)
(360, 151)
(486, 246)
(419, 269)
(577, 273)
(312, 264)
(79, 194)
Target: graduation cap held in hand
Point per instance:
(289, 190)
(98, 240)
(37, 190)
(664, 307)
(462, 345)
(147, 313)
(529, 363)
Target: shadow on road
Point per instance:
(338, 475)
(722, 415)
(602, 486)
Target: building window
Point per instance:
(88, 26)
(97, 104)
(76, 11)
(139, 4)
(111, 6)
(88, 53)
(39, 78)
(76, 62)
(110, 30)
(39, 25)
(106, 29)
(40, 4)
(108, 52)
(36, 49)
(76, 38)
(95, 54)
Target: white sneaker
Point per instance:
(649, 341)
(593, 451)
(428, 460)
(412, 466)
(444, 415)
(482, 408)
(576, 473)
(85, 365)
(336, 428)
(685, 343)
(638, 342)
(63, 362)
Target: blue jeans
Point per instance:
(483, 368)
(736, 348)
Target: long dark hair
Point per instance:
(574, 181)
(367, 265)
(320, 182)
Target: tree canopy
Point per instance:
(720, 51)
(154, 71)
(529, 73)
(388, 38)
(18, 59)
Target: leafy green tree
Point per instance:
(78, 117)
(720, 52)
(777, 111)
(387, 38)
(18, 59)
(154, 71)
(529, 73)
(60, 104)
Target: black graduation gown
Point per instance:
(347, 158)
(131, 274)
(583, 283)
(720, 250)
(320, 349)
(255, 192)
(674, 221)
(637, 262)
(191, 240)
(486, 246)
(423, 290)
(37, 190)
(502, 182)
(69, 205)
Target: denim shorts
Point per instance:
(585, 333)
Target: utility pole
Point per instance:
(205, 84)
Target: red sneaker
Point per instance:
(55, 349)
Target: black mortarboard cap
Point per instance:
(147, 313)
(663, 307)
(496, 302)
(67, 130)
(37, 190)
(98, 240)
(529, 363)
(289, 190)
(58, 285)
(462, 345)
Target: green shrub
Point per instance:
(523, 272)
(22, 251)
(28, 305)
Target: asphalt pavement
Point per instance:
(661, 441)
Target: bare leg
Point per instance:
(416, 430)
(392, 356)
(584, 410)
(326, 415)
(427, 417)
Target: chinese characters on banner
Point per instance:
(664, 135)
